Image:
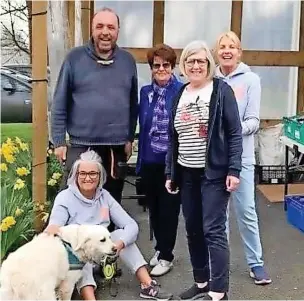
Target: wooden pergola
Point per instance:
(39, 71)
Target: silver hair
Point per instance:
(92, 157)
(193, 48)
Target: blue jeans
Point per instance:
(204, 206)
(243, 201)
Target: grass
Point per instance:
(21, 130)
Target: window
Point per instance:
(271, 25)
(136, 22)
(279, 91)
(186, 21)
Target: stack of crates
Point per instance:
(294, 128)
(295, 210)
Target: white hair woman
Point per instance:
(204, 163)
(86, 202)
(247, 89)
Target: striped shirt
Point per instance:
(191, 124)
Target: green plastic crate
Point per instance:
(294, 128)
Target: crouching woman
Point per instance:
(86, 202)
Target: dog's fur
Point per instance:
(40, 268)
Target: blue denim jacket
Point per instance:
(146, 95)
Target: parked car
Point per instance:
(16, 97)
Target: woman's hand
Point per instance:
(168, 186)
(52, 229)
(232, 183)
(119, 245)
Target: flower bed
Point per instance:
(17, 208)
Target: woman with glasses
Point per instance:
(86, 202)
(155, 105)
(204, 163)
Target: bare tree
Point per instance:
(16, 26)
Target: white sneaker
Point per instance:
(162, 268)
(154, 260)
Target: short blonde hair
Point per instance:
(193, 48)
(230, 35)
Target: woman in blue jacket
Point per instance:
(155, 106)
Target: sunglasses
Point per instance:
(156, 66)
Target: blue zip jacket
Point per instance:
(146, 96)
(224, 144)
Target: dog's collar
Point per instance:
(74, 262)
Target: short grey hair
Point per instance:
(193, 48)
(88, 156)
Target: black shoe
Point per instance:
(194, 292)
(208, 297)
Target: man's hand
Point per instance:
(52, 229)
(128, 150)
(232, 183)
(60, 152)
(119, 245)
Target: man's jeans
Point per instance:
(243, 201)
(204, 206)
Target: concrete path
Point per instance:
(283, 251)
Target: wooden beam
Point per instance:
(300, 97)
(70, 7)
(250, 57)
(158, 21)
(86, 20)
(39, 105)
(92, 13)
(236, 17)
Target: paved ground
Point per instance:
(283, 250)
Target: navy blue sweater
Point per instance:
(96, 104)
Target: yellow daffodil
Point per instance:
(24, 146)
(56, 175)
(9, 158)
(52, 182)
(19, 184)
(9, 221)
(22, 171)
(9, 141)
(45, 216)
(18, 140)
(18, 212)
(3, 227)
(3, 167)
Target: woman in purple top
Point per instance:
(155, 105)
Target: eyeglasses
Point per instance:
(156, 66)
(200, 62)
(93, 175)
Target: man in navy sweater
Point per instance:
(96, 102)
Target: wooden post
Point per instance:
(70, 8)
(39, 104)
(300, 98)
(85, 20)
(158, 21)
(236, 17)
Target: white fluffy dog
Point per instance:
(41, 267)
